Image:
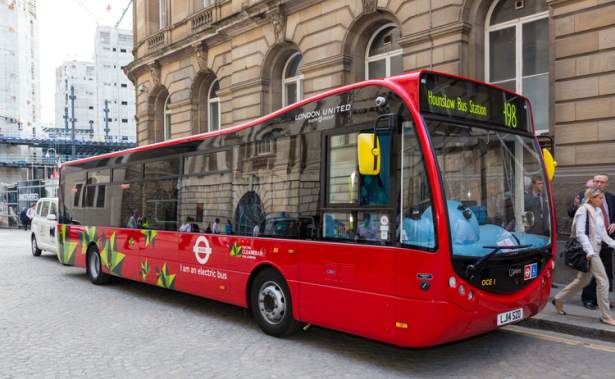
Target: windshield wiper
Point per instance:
(474, 268)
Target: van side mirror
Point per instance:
(368, 154)
(550, 164)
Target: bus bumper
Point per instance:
(429, 323)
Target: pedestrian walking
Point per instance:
(536, 202)
(30, 213)
(588, 296)
(23, 218)
(578, 198)
(592, 242)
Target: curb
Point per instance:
(567, 328)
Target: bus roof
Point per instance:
(391, 82)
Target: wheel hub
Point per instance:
(271, 302)
(94, 265)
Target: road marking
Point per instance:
(557, 339)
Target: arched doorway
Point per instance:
(249, 213)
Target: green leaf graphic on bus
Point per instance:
(67, 248)
(165, 279)
(88, 235)
(110, 257)
(150, 237)
(144, 269)
(235, 250)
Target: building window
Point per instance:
(213, 106)
(200, 4)
(384, 55)
(167, 119)
(517, 53)
(292, 80)
(124, 85)
(162, 13)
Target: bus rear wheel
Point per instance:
(35, 250)
(271, 304)
(94, 268)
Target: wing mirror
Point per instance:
(368, 154)
(550, 164)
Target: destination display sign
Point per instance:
(462, 99)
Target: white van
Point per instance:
(44, 226)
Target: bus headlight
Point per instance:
(462, 290)
(452, 282)
(470, 295)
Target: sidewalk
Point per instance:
(578, 321)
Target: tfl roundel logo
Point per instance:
(202, 250)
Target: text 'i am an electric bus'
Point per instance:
(413, 210)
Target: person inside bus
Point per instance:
(133, 221)
(215, 228)
(228, 227)
(367, 229)
(593, 242)
(189, 226)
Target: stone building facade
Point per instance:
(203, 65)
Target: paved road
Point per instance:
(55, 323)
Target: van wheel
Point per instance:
(94, 268)
(35, 250)
(271, 304)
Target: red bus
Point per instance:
(413, 210)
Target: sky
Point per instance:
(66, 32)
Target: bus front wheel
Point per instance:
(94, 268)
(271, 304)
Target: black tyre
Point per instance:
(35, 250)
(271, 304)
(94, 268)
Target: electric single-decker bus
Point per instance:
(414, 210)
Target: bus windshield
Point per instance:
(494, 186)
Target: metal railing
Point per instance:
(202, 19)
(17, 160)
(157, 40)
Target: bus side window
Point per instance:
(338, 225)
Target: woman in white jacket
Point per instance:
(591, 213)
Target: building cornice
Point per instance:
(440, 31)
(559, 2)
(254, 83)
(343, 60)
